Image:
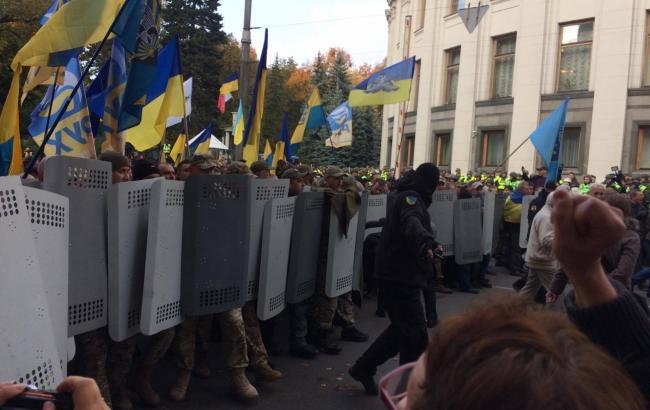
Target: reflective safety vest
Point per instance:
(584, 189)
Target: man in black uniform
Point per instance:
(404, 262)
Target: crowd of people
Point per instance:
(595, 236)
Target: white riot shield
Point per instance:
(29, 351)
(261, 191)
(376, 211)
(442, 215)
(523, 226)
(357, 281)
(84, 182)
(48, 215)
(216, 238)
(128, 220)
(276, 241)
(488, 221)
(468, 236)
(340, 256)
(305, 243)
(161, 298)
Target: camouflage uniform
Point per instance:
(345, 309)
(92, 350)
(120, 357)
(256, 350)
(191, 341)
(158, 346)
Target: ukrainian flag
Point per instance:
(201, 143)
(11, 153)
(177, 154)
(268, 153)
(254, 122)
(238, 126)
(229, 85)
(388, 86)
(313, 116)
(164, 99)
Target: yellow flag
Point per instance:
(11, 159)
(254, 121)
(267, 150)
(178, 150)
(238, 126)
(279, 153)
(76, 24)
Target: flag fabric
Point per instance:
(254, 122)
(73, 134)
(388, 86)
(268, 153)
(187, 92)
(11, 152)
(76, 24)
(313, 116)
(340, 124)
(54, 7)
(230, 84)
(238, 126)
(163, 100)
(113, 101)
(177, 154)
(278, 155)
(547, 139)
(41, 75)
(143, 71)
(284, 137)
(201, 143)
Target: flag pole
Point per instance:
(511, 154)
(68, 100)
(404, 106)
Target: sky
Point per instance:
(302, 28)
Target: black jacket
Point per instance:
(406, 236)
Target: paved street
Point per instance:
(310, 384)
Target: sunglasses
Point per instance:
(392, 387)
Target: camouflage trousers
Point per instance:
(191, 341)
(324, 307)
(240, 334)
(92, 350)
(120, 357)
(345, 308)
(158, 346)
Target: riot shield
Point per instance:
(488, 221)
(84, 182)
(340, 256)
(468, 236)
(442, 216)
(161, 299)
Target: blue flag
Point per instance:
(284, 137)
(340, 125)
(547, 139)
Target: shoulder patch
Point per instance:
(411, 199)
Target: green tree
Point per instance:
(198, 26)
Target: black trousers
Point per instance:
(407, 332)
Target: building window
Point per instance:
(442, 147)
(453, 62)
(643, 148)
(575, 56)
(503, 65)
(646, 61)
(389, 152)
(422, 7)
(408, 151)
(493, 148)
(570, 155)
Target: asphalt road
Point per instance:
(322, 383)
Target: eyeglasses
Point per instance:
(392, 387)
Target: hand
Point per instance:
(439, 248)
(85, 394)
(429, 255)
(550, 298)
(584, 228)
(9, 390)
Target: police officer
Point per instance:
(404, 262)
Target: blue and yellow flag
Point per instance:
(143, 70)
(388, 86)
(254, 122)
(340, 124)
(11, 153)
(105, 98)
(164, 99)
(201, 143)
(76, 24)
(177, 154)
(230, 84)
(73, 134)
(313, 116)
(238, 126)
(267, 155)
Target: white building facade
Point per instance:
(477, 96)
